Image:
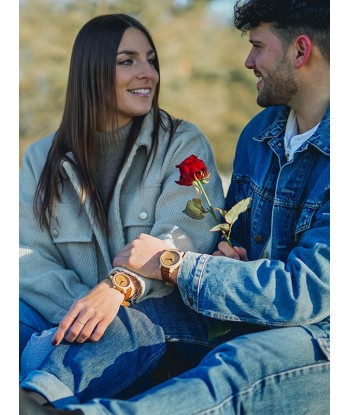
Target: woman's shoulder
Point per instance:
(39, 148)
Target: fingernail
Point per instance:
(54, 342)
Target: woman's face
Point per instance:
(136, 76)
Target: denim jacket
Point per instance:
(291, 203)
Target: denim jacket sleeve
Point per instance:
(267, 292)
(291, 288)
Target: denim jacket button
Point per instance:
(258, 239)
(190, 300)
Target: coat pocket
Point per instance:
(73, 236)
(71, 226)
(138, 211)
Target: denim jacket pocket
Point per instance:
(325, 347)
(304, 221)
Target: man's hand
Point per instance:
(142, 256)
(89, 317)
(234, 252)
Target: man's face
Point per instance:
(269, 60)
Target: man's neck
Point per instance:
(311, 113)
(312, 100)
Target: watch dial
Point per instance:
(170, 258)
(122, 280)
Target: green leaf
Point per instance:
(232, 215)
(195, 209)
(221, 328)
(221, 227)
(221, 211)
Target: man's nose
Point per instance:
(250, 61)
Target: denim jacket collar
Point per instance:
(319, 139)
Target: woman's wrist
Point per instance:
(127, 282)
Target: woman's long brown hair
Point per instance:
(90, 101)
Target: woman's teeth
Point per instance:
(140, 91)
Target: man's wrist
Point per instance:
(169, 263)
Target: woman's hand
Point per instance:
(234, 252)
(89, 317)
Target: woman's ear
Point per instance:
(303, 47)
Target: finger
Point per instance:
(86, 331)
(64, 325)
(228, 251)
(99, 331)
(75, 330)
(242, 253)
(122, 257)
(217, 253)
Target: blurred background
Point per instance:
(203, 78)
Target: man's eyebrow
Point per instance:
(254, 42)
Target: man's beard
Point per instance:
(279, 86)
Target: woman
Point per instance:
(105, 176)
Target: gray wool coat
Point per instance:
(63, 265)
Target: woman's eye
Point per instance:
(125, 62)
(152, 61)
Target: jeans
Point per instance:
(279, 371)
(126, 360)
(30, 322)
(275, 372)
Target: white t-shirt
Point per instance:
(293, 140)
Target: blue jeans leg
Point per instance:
(275, 372)
(131, 348)
(30, 322)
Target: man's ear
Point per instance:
(303, 46)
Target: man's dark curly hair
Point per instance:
(289, 18)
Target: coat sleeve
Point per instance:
(42, 269)
(170, 222)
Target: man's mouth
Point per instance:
(259, 78)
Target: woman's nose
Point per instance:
(146, 71)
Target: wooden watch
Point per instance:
(122, 283)
(169, 261)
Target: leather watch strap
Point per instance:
(165, 272)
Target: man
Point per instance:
(282, 163)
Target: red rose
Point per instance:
(191, 169)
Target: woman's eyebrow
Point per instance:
(133, 52)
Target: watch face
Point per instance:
(122, 280)
(170, 258)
